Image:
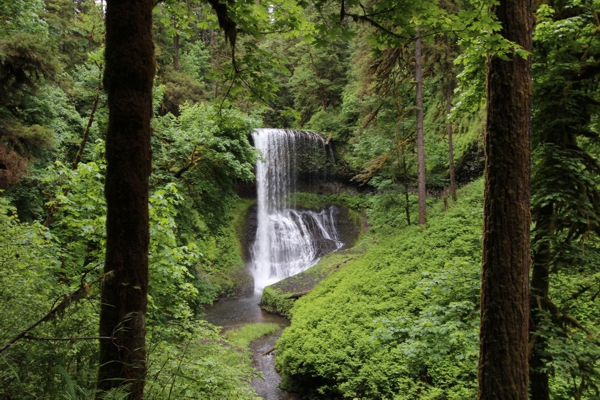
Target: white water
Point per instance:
(288, 240)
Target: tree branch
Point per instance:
(90, 122)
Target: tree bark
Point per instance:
(422, 190)
(450, 145)
(176, 50)
(503, 358)
(129, 74)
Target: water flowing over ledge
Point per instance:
(290, 240)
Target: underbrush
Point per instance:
(58, 358)
(400, 321)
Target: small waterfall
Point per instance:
(289, 240)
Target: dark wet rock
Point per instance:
(242, 285)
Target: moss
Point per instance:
(242, 337)
(276, 302)
(235, 280)
(280, 297)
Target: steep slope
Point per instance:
(400, 321)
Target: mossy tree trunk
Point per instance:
(130, 71)
(450, 144)
(422, 190)
(503, 359)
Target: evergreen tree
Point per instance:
(503, 367)
(128, 80)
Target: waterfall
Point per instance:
(288, 239)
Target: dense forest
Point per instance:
(466, 137)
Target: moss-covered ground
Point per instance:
(280, 297)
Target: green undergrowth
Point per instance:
(400, 319)
(187, 358)
(242, 337)
(318, 201)
(192, 361)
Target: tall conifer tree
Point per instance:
(130, 71)
(503, 364)
(422, 190)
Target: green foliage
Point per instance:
(189, 360)
(565, 198)
(274, 301)
(187, 252)
(195, 60)
(22, 16)
(400, 321)
(39, 267)
(242, 337)
(203, 152)
(317, 83)
(357, 202)
(31, 275)
(24, 61)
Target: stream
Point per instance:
(231, 314)
(235, 313)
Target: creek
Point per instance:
(288, 239)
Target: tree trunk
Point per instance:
(406, 195)
(214, 60)
(540, 285)
(176, 50)
(450, 145)
(422, 190)
(503, 363)
(129, 74)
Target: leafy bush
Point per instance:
(191, 253)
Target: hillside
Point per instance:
(401, 320)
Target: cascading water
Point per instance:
(288, 240)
